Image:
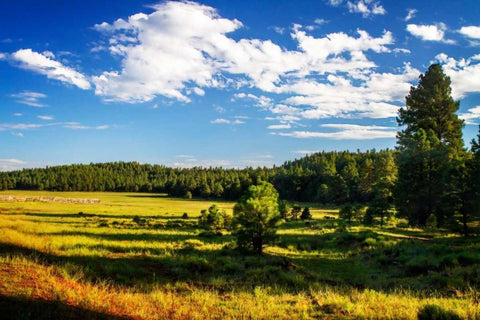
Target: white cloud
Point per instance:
(279, 30)
(346, 132)
(18, 114)
(379, 95)
(78, 126)
(45, 117)
(19, 126)
(184, 45)
(11, 164)
(18, 134)
(402, 50)
(366, 8)
(279, 126)
(320, 21)
(167, 52)
(411, 14)
(67, 125)
(42, 64)
(464, 74)
(471, 115)
(220, 121)
(305, 152)
(470, 32)
(435, 32)
(199, 91)
(226, 121)
(30, 98)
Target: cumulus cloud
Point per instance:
(184, 48)
(44, 64)
(434, 32)
(471, 115)
(472, 32)
(185, 45)
(464, 73)
(365, 7)
(346, 132)
(30, 98)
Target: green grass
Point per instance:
(135, 252)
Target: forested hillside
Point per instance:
(328, 177)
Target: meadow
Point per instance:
(135, 256)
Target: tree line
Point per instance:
(327, 177)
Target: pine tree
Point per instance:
(431, 139)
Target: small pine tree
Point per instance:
(306, 215)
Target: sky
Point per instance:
(221, 83)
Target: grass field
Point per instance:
(132, 256)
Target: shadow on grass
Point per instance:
(38, 309)
(361, 260)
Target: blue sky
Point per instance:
(221, 83)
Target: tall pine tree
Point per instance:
(428, 144)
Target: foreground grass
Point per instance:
(132, 256)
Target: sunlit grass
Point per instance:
(107, 260)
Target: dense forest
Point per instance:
(328, 177)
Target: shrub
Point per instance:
(188, 195)
(295, 212)
(214, 220)
(185, 215)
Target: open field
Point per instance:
(132, 256)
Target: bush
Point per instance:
(188, 195)
(295, 212)
(433, 312)
(214, 220)
(185, 215)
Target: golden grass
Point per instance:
(56, 230)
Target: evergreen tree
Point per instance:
(306, 215)
(256, 217)
(432, 137)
